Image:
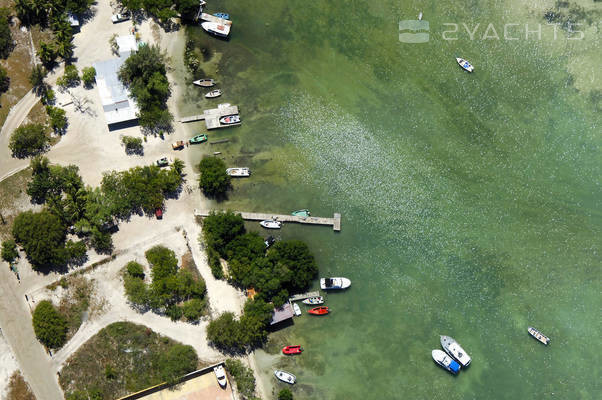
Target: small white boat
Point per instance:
(314, 301)
(220, 374)
(286, 377)
(271, 224)
(445, 361)
(204, 82)
(420, 16)
(230, 119)
(464, 64)
(538, 335)
(217, 29)
(334, 283)
(296, 309)
(214, 93)
(238, 172)
(454, 349)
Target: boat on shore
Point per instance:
(466, 66)
(538, 335)
(301, 213)
(454, 349)
(445, 361)
(239, 172)
(322, 310)
(230, 119)
(334, 283)
(285, 377)
(217, 29)
(292, 350)
(271, 224)
(214, 93)
(296, 309)
(310, 301)
(220, 374)
(204, 82)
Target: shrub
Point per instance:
(136, 291)
(9, 251)
(285, 394)
(76, 251)
(243, 375)
(135, 270)
(89, 76)
(193, 309)
(133, 145)
(42, 235)
(4, 80)
(177, 361)
(49, 325)
(70, 77)
(213, 180)
(215, 263)
(58, 118)
(28, 140)
(225, 333)
(6, 40)
(101, 241)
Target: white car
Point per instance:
(120, 17)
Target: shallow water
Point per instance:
(470, 202)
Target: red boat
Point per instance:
(322, 310)
(292, 350)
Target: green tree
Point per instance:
(177, 361)
(76, 251)
(220, 228)
(58, 118)
(89, 76)
(28, 140)
(285, 394)
(225, 332)
(243, 375)
(4, 80)
(135, 270)
(101, 240)
(163, 262)
(70, 77)
(49, 325)
(47, 53)
(6, 39)
(214, 181)
(136, 290)
(42, 236)
(133, 145)
(9, 251)
(36, 78)
(193, 309)
(293, 263)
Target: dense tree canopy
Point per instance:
(28, 140)
(177, 361)
(42, 236)
(219, 229)
(163, 9)
(4, 80)
(6, 39)
(49, 325)
(9, 251)
(213, 180)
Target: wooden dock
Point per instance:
(303, 296)
(335, 222)
(212, 116)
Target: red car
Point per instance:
(159, 213)
(292, 350)
(322, 310)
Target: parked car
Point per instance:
(159, 213)
(120, 17)
(163, 162)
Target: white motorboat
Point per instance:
(271, 224)
(286, 377)
(465, 64)
(204, 82)
(214, 93)
(538, 335)
(230, 119)
(454, 349)
(334, 283)
(296, 309)
(239, 172)
(420, 16)
(314, 301)
(220, 374)
(445, 361)
(217, 29)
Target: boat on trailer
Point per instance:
(466, 66)
(445, 361)
(334, 283)
(538, 335)
(285, 377)
(454, 349)
(310, 301)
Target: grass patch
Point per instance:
(75, 302)
(189, 265)
(12, 191)
(124, 358)
(18, 389)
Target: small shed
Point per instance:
(282, 314)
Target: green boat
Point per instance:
(301, 213)
(198, 139)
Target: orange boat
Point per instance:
(322, 310)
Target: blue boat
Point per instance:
(222, 15)
(466, 66)
(445, 361)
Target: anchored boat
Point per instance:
(239, 172)
(220, 374)
(286, 377)
(454, 349)
(445, 361)
(334, 283)
(296, 309)
(292, 350)
(271, 224)
(314, 301)
(214, 93)
(204, 82)
(322, 310)
(538, 335)
(464, 64)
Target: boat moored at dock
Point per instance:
(538, 335)
(230, 119)
(322, 310)
(445, 361)
(314, 301)
(454, 349)
(222, 15)
(217, 29)
(334, 283)
(296, 309)
(239, 172)
(271, 224)
(285, 377)
(301, 213)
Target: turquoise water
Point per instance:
(470, 203)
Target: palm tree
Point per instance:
(36, 78)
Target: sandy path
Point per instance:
(8, 365)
